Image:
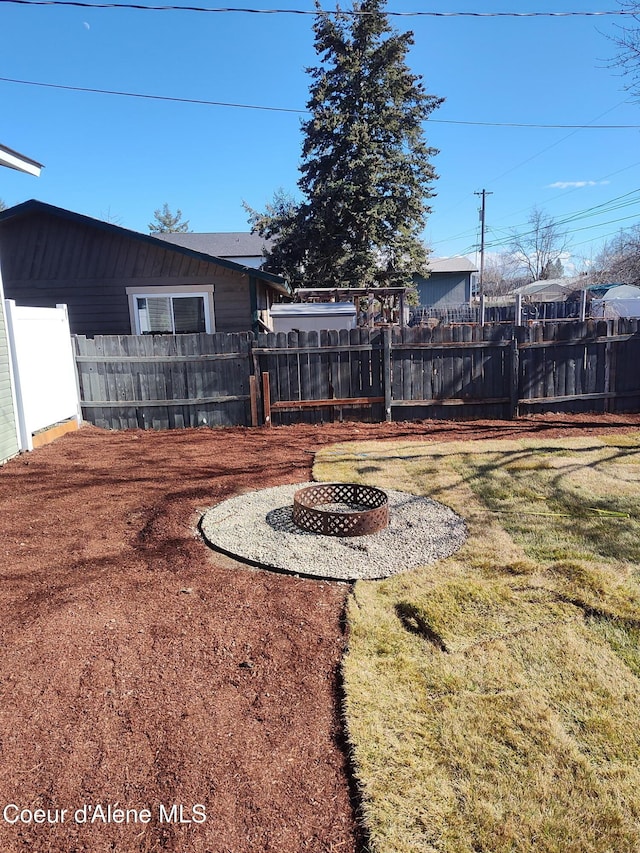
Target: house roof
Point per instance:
(602, 288)
(34, 206)
(622, 291)
(456, 264)
(223, 244)
(549, 288)
(13, 160)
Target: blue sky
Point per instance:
(121, 158)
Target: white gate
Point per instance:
(44, 374)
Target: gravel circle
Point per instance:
(257, 528)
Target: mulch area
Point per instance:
(140, 670)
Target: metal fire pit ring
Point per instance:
(308, 512)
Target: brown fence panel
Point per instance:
(450, 372)
(164, 381)
(579, 367)
(322, 376)
(624, 375)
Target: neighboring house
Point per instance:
(243, 247)
(450, 282)
(549, 290)
(117, 281)
(8, 429)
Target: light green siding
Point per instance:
(444, 288)
(8, 439)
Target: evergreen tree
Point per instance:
(553, 269)
(282, 222)
(167, 222)
(366, 170)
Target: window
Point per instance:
(156, 312)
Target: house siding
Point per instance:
(232, 303)
(8, 436)
(442, 289)
(48, 260)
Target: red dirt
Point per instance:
(139, 668)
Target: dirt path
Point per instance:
(140, 670)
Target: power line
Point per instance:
(617, 203)
(590, 124)
(149, 97)
(554, 144)
(267, 108)
(600, 179)
(499, 244)
(543, 126)
(602, 237)
(346, 12)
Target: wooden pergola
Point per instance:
(392, 301)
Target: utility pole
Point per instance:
(484, 194)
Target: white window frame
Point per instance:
(205, 290)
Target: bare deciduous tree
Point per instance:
(502, 273)
(114, 218)
(619, 260)
(627, 40)
(539, 248)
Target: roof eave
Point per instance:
(14, 160)
(34, 206)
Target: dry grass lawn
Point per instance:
(493, 699)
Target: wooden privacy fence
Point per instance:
(164, 381)
(465, 371)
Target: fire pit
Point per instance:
(258, 528)
(341, 509)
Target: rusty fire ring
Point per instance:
(363, 509)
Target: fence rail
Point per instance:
(463, 371)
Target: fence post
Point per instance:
(386, 364)
(63, 307)
(515, 377)
(266, 396)
(518, 309)
(253, 396)
(483, 309)
(23, 436)
(255, 362)
(583, 305)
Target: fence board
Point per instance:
(162, 389)
(426, 365)
(332, 369)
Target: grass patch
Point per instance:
(493, 699)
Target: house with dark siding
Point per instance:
(117, 281)
(449, 282)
